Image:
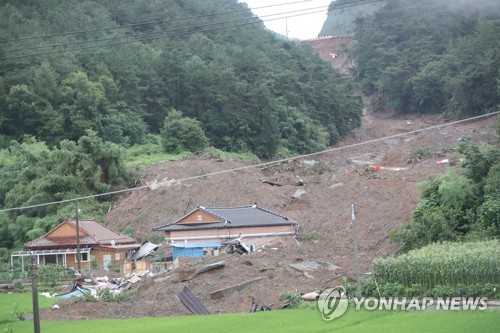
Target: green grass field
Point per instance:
(297, 320)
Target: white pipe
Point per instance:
(287, 233)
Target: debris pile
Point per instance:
(96, 286)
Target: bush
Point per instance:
(483, 290)
(93, 263)
(182, 134)
(51, 274)
(442, 291)
(391, 290)
(474, 290)
(293, 297)
(368, 288)
(414, 290)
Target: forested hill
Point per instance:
(342, 16)
(430, 56)
(119, 67)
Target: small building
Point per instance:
(202, 229)
(142, 259)
(195, 250)
(59, 246)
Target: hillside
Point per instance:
(341, 18)
(121, 69)
(384, 200)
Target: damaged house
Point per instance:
(204, 229)
(60, 246)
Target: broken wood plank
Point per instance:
(216, 265)
(254, 304)
(187, 274)
(221, 293)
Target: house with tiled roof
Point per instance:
(204, 228)
(61, 245)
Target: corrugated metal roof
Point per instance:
(199, 244)
(102, 233)
(146, 248)
(232, 217)
(44, 252)
(122, 247)
(190, 301)
(59, 242)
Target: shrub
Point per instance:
(368, 288)
(414, 290)
(293, 297)
(93, 263)
(51, 274)
(182, 134)
(391, 290)
(442, 291)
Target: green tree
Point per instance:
(228, 79)
(33, 174)
(408, 67)
(22, 116)
(457, 206)
(45, 82)
(83, 104)
(182, 134)
(474, 62)
(489, 211)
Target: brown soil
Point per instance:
(384, 201)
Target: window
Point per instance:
(199, 217)
(55, 259)
(84, 257)
(117, 256)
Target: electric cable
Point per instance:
(153, 185)
(257, 20)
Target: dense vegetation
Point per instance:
(342, 16)
(81, 81)
(32, 173)
(431, 56)
(247, 90)
(71, 102)
(447, 263)
(457, 206)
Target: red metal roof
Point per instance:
(91, 233)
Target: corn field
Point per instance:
(443, 264)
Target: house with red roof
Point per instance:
(60, 246)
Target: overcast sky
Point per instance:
(299, 24)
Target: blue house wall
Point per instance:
(192, 249)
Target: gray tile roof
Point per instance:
(236, 217)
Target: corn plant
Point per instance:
(443, 264)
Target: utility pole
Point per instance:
(286, 27)
(77, 240)
(356, 255)
(34, 288)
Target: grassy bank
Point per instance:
(296, 320)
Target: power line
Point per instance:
(253, 20)
(260, 165)
(256, 19)
(146, 23)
